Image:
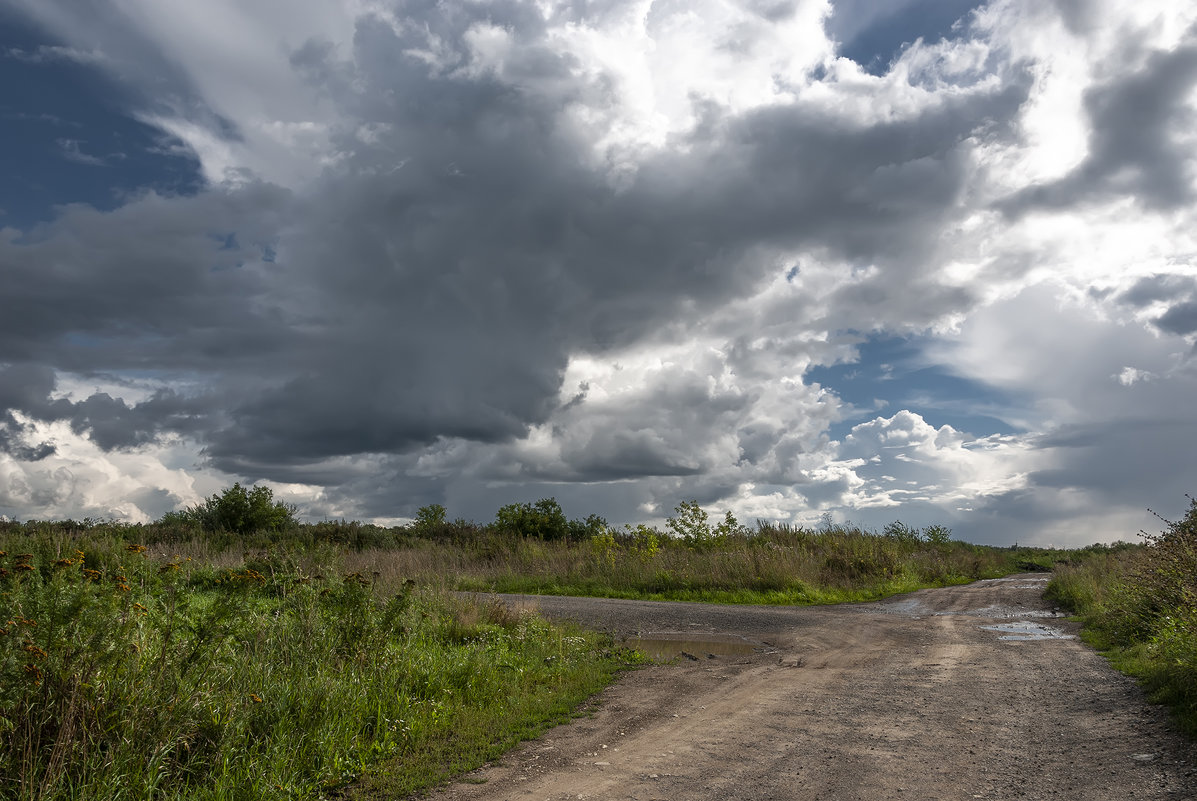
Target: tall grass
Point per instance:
(124, 675)
(163, 662)
(1139, 606)
(772, 564)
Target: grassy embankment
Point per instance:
(288, 663)
(1139, 607)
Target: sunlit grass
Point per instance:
(128, 676)
(1139, 608)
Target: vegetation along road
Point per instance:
(974, 691)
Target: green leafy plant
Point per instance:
(543, 520)
(937, 534)
(429, 520)
(239, 510)
(691, 524)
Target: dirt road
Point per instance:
(910, 698)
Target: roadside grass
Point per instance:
(333, 659)
(769, 565)
(128, 676)
(1139, 608)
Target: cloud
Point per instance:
(72, 151)
(449, 252)
(1139, 145)
(50, 53)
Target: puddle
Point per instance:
(1002, 611)
(1036, 580)
(665, 647)
(1025, 630)
(907, 606)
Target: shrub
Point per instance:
(937, 534)
(430, 520)
(238, 510)
(543, 520)
(690, 524)
(901, 532)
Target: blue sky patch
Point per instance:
(893, 370)
(881, 40)
(67, 136)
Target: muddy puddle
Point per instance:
(913, 607)
(665, 647)
(1026, 630)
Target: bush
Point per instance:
(1140, 605)
(692, 526)
(238, 510)
(543, 520)
(430, 520)
(901, 532)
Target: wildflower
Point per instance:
(22, 566)
(169, 566)
(140, 608)
(64, 563)
(134, 547)
(92, 575)
(34, 672)
(255, 698)
(123, 587)
(31, 648)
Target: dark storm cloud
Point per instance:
(1178, 291)
(1080, 16)
(114, 424)
(1133, 147)
(452, 267)
(1153, 288)
(1180, 319)
(434, 284)
(110, 422)
(1157, 447)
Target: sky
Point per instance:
(928, 260)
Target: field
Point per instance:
(130, 674)
(183, 659)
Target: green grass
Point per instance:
(771, 565)
(1139, 608)
(125, 676)
(162, 661)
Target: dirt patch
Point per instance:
(908, 698)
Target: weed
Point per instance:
(1139, 605)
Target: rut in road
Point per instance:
(978, 691)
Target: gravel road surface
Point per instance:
(979, 691)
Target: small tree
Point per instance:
(729, 527)
(937, 534)
(429, 519)
(240, 511)
(690, 524)
(544, 520)
(901, 532)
